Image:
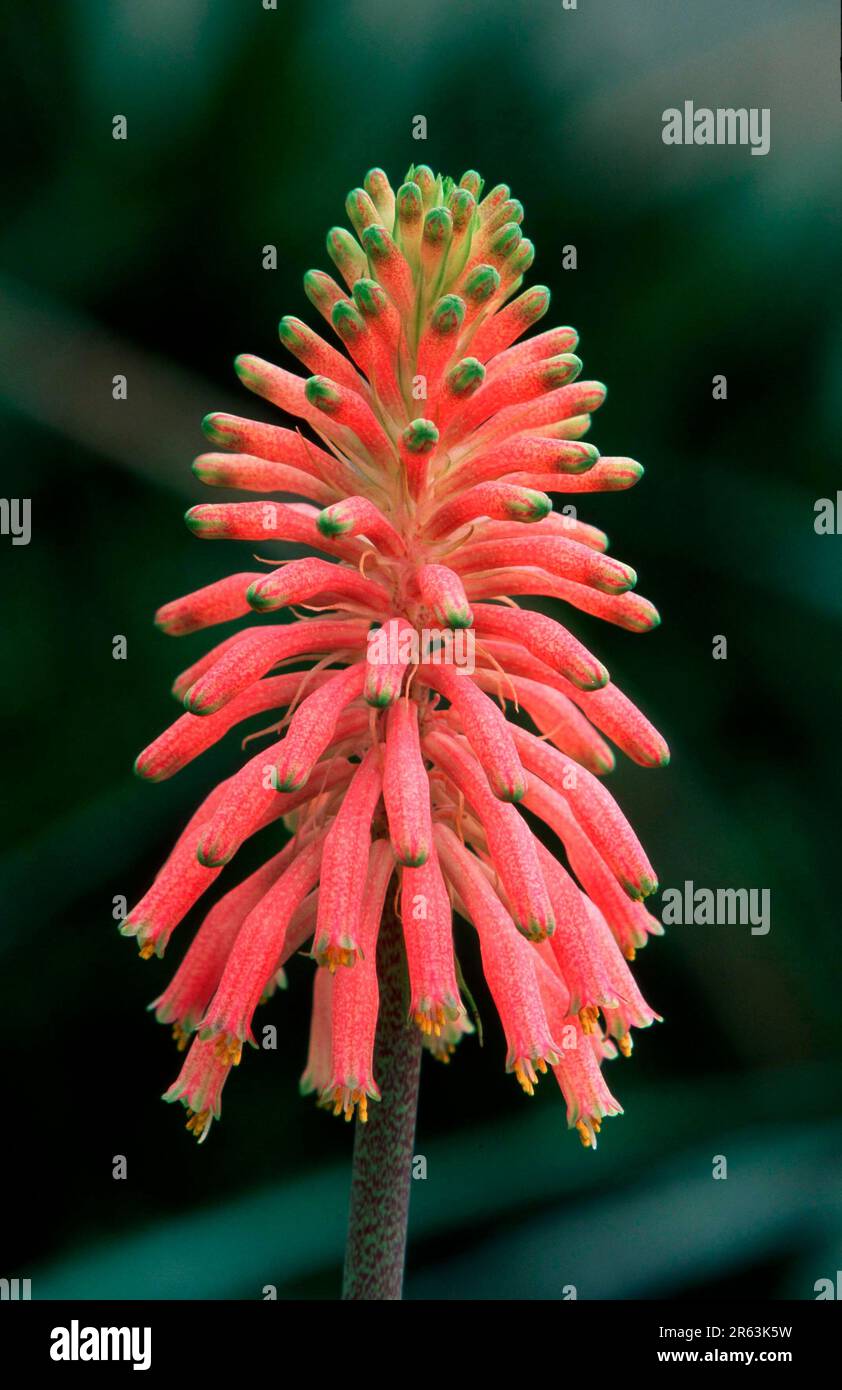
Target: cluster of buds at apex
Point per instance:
(420, 450)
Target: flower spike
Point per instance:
(424, 732)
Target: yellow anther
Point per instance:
(228, 1050)
(584, 1134)
(198, 1123)
(588, 1017)
(524, 1079)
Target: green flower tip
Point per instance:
(462, 206)
(141, 770)
(414, 861)
(322, 393)
(377, 242)
(213, 430)
(345, 319)
(369, 297)
(533, 507)
(482, 283)
(290, 783)
(331, 521)
(562, 369)
(289, 332)
(194, 705)
(458, 617)
(437, 226)
(382, 698)
(409, 203)
(420, 436)
(466, 376)
(262, 603)
(535, 303)
(212, 859)
(597, 680)
(375, 180)
(248, 371)
(448, 314)
(507, 240)
(513, 794)
(473, 183)
(197, 520)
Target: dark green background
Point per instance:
(248, 127)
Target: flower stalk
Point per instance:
(383, 1147)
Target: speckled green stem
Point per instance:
(382, 1166)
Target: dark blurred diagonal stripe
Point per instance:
(58, 369)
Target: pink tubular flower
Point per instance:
(427, 446)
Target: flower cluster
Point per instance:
(423, 479)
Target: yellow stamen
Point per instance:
(198, 1122)
(344, 1102)
(180, 1038)
(584, 1134)
(588, 1017)
(526, 1081)
(334, 956)
(228, 1050)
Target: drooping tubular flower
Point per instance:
(431, 441)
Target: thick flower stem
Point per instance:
(381, 1175)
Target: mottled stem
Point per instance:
(382, 1165)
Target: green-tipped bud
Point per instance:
(438, 225)
(347, 321)
(322, 393)
(496, 196)
(377, 186)
(466, 377)
(473, 182)
(213, 430)
(426, 180)
(462, 207)
(561, 369)
(522, 257)
(530, 505)
(345, 254)
(321, 291)
(264, 602)
(203, 522)
(482, 283)
(420, 436)
(409, 204)
(331, 522)
(248, 372)
(448, 314)
(361, 210)
(513, 209)
(370, 298)
(505, 242)
(204, 470)
(377, 243)
(533, 304)
(290, 334)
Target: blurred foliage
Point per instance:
(247, 127)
